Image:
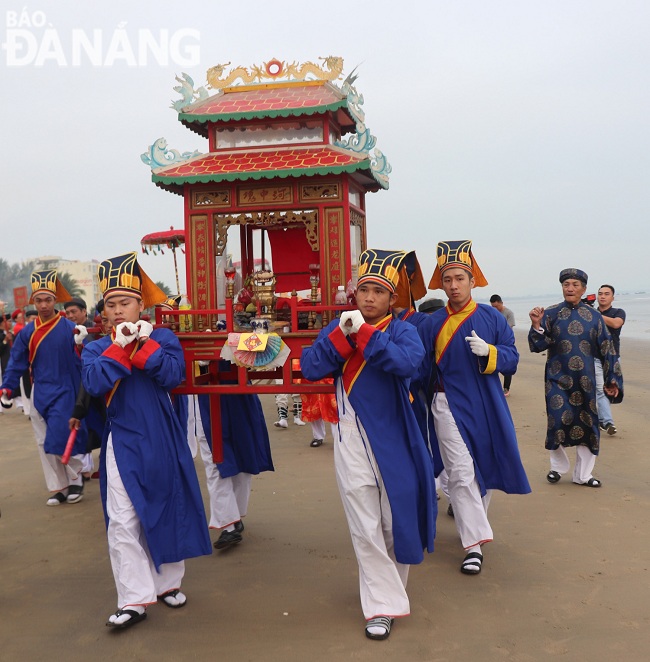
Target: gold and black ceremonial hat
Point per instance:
(123, 276)
(381, 268)
(48, 282)
(172, 303)
(456, 254)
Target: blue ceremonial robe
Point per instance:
(149, 442)
(573, 336)
(475, 395)
(380, 398)
(56, 372)
(246, 446)
(421, 386)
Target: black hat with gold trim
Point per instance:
(172, 303)
(123, 276)
(456, 254)
(394, 270)
(47, 282)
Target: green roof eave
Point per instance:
(265, 174)
(258, 114)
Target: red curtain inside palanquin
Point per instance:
(291, 256)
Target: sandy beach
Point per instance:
(567, 576)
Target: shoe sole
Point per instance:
(226, 545)
(229, 543)
(132, 621)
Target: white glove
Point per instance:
(80, 333)
(343, 322)
(351, 321)
(357, 320)
(125, 333)
(478, 345)
(144, 329)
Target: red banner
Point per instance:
(20, 297)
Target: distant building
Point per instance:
(85, 273)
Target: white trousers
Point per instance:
(136, 579)
(470, 510)
(192, 428)
(382, 580)
(27, 402)
(87, 464)
(228, 496)
(318, 429)
(442, 482)
(585, 462)
(282, 399)
(603, 404)
(57, 476)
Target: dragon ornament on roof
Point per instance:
(275, 70)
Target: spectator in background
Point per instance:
(497, 302)
(5, 343)
(614, 319)
(18, 319)
(76, 311)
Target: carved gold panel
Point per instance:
(326, 191)
(267, 219)
(202, 199)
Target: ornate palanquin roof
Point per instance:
(294, 90)
(277, 100)
(261, 164)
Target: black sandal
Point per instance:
(593, 482)
(171, 594)
(472, 563)
(315, 443)
(136, 617)
(379, 622)
(553, 477)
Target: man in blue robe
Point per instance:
(470, 344)
(383, 468)
(573, 334)
(150, 491)
(47, 346)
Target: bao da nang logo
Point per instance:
(31, 40)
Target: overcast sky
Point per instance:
(522, 125)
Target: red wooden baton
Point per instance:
(65, 458)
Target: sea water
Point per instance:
(636, 306)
